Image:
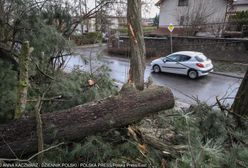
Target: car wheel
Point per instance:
(192, 74)
(156, 69)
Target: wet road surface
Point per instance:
(204, 89)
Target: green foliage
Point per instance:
(156, 21)
(211, 133)
(96, 149)
(75, 90)
(59, 13)
(93, 149)
(241, 19)
(43, 38)
(236, 157)
(46, 30)
(8, 87)
(88, 38)
(218, 148)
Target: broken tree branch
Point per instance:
(74, 124)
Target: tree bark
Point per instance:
(137, 44)
(240, 105)
(23, 80)
(39, 130)
(76, 123)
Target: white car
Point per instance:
(190, 63)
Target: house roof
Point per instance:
(240, 2)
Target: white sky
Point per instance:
(152, 10)
(149, 12)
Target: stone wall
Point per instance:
(222, 49)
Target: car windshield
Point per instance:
(201, 58)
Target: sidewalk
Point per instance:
(229, 74)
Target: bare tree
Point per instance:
(137, 45)
(195, 16)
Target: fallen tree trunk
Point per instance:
(76, 123)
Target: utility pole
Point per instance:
(171, 28)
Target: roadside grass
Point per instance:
(223, 66)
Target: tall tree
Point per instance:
(137, 44)
(23, 80)
(156, 21)
(240, 105)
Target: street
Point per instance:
(185, 90)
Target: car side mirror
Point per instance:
(164, 60)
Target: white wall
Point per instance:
(170, 12)
(241, 8)
(114, 23)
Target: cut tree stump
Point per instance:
(74, 124)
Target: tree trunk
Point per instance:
(240, 105)
(74, 124)
(39, 130)
(137, 45)
(23, 80)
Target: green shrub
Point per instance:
(240, 19)
(150, 53)
(119, 51)
(8, 86)
(88, 38)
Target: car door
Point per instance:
(172, 64)
(184, 64)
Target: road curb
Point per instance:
(91, 46)
(228, 75)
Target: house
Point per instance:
(147, 21)
(115, 22)
(239, 5)
(111, 22)
(197, 16)
(87, 25)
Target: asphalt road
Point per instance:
(204, 89)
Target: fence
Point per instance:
(221, 49)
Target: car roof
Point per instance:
(189, 53)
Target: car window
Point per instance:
(184, 58)
(173, 58)
(201, 58)
(177, 58)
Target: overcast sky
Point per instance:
(152, 10)
(149, 11)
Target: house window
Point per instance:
(181, 22)
(183, 2)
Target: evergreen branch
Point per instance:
(43, 73)
(223, 108)
(190, 146)
(33, 156)
(47, 99)
(9, 147)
